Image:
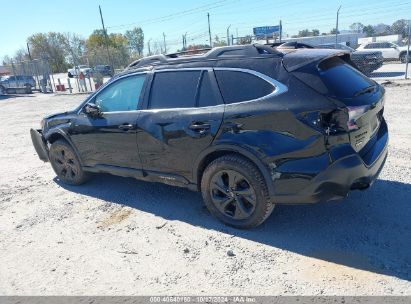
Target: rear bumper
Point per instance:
(348, 171)
(39, 144)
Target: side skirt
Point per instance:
(144, 175)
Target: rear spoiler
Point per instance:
(301, 57)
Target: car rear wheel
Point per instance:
(403, 58)
(235, 192)
(66, 164)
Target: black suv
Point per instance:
(248, 126)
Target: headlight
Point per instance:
(42, 123)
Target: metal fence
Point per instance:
(35, 75)
(26, 76)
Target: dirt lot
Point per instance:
(118, 236)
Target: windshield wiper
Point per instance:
(366, 90)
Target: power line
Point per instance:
(169, 17)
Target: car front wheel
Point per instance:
(65, 163)
(235, 192)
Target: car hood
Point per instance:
(58, 115)
(295, 59)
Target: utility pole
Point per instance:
(408, 49)
(106, 40)
(209, 29)
(185, 41)
(281, 30)
(165, 46)
(149, 50)
(336, 27)
(228, 34)
(28, 51)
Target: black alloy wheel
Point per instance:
(235, 191)
(232, 194)
(66, 164)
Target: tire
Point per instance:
(403, 58)
(28, 88)
(235, 192)
(2, 90)
(69, 75)
(66, 165)
(367, 72)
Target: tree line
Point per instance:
(399, 27)
(64, 50)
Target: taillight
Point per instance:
(353, 114)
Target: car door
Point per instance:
(12, 82)
(109, 139)
(378, 48)
(183, 114)
(394, 51)
(388, 51)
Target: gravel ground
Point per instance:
(119, 236)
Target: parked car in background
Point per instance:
(75, 71)
(18, 81)
(260, 128)
(292, 45)
(367, 61)
(389, 50)
(104, 70)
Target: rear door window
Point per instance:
(206, 94)
(237, 86)
(175, 89)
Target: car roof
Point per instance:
(205, 55)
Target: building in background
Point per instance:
(350, 39)
(388, 38)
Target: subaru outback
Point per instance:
(248, 126)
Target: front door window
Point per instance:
(121, 96)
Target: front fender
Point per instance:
(59, 132)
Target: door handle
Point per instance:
(126, 127)
(199, 127)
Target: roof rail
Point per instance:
(189, 52)
(147, 60)
(249, 50)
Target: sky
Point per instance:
(20, 19)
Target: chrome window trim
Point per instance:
(184, 69)
(180, 109)
(279, 88)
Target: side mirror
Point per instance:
(92, 110)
